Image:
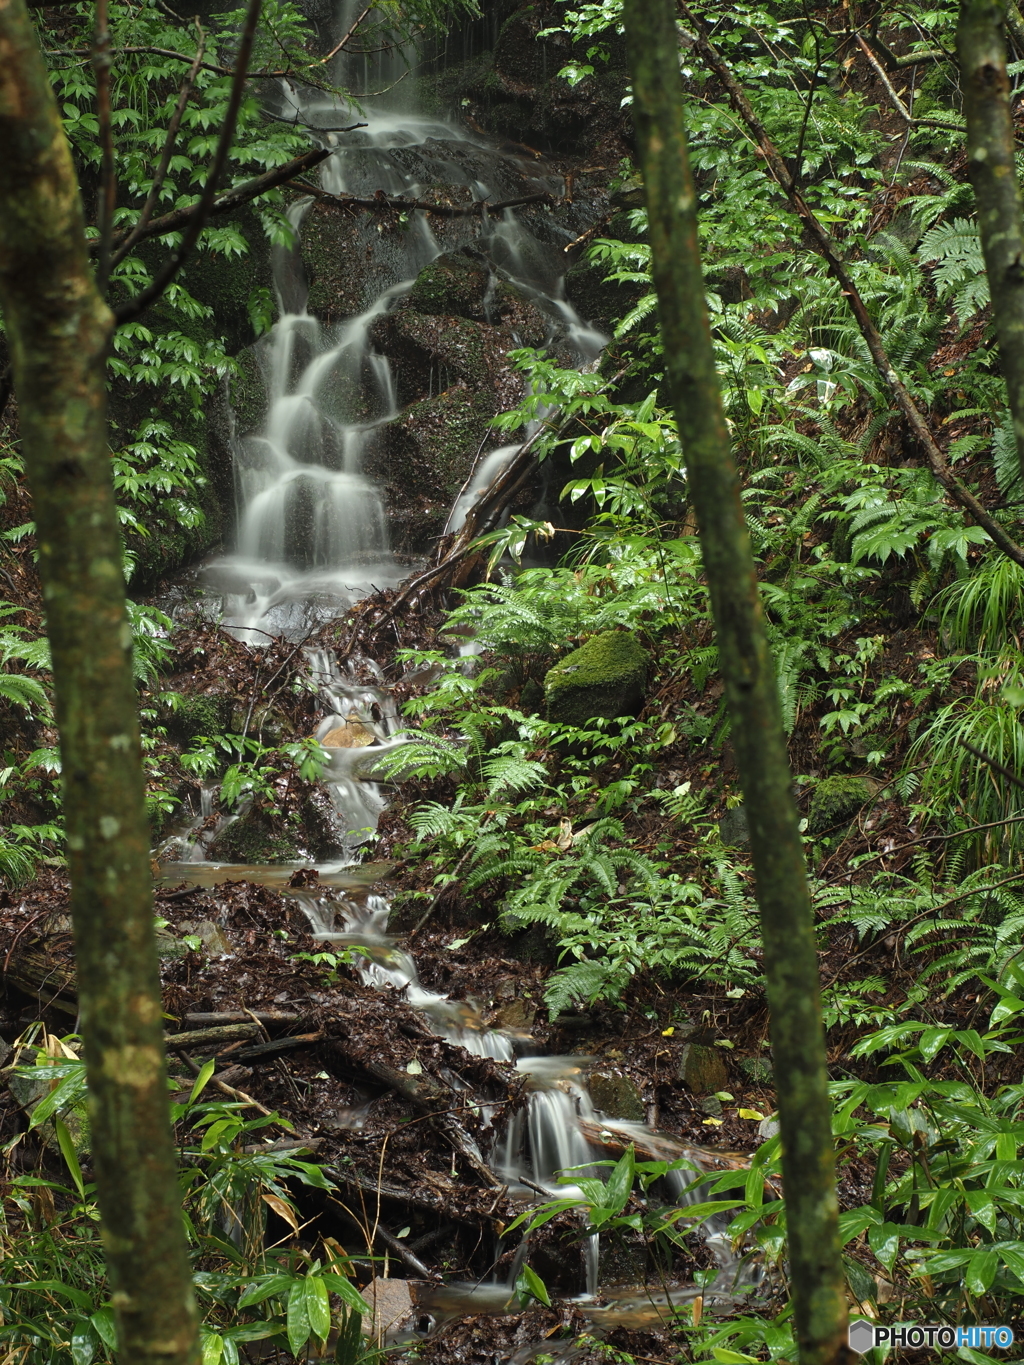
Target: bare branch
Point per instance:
(108, 173)
(828, 250)
(234, 198)
(176, 260)
(165, 156)
(380, 200)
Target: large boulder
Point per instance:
(603, 679)
(838, 799)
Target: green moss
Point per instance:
(452, 285)
(604, 678)
(205, 714)
(252, 838)
(837, 799)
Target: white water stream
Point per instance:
(312, 538)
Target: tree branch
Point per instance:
(992, 167)
(134, 307)
(380, 200)
(165, 156)
(233, 199)
(108, 172)
(828, 250)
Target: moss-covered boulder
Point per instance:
(615, 1095)
(837, 799)
(604, 678)
(455, 283)
(702, 1069)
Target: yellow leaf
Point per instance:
(713, 1123)
(668, 1032)
(282, 1210)
(750, 1114)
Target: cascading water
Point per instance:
(312, 538)
(312, 535)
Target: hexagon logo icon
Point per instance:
(861, 1336)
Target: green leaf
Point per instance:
(106, 1329)
(620, 1182)
(981, 1270)
(347, 1292)
(213, 1347)
(318, 1307)
(70, 1156)
(201, 1080)
(884, 1241)
(298, 1324)
(84, 1341)
(529, 1285)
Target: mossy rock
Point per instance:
(703, 1069)
(253, 838)
(604, 678)
(837, 799)
(207, 713)
(616, 1095)
(454, 284)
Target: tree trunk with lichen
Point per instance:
(981, 48)
(790, 956)
(59, 331)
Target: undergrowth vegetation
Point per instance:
(896, 627)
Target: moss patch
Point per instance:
(837, 799)
(605, 678)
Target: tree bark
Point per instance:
(787, 926)
(59, 331)
(981, 48)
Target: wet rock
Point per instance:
(702, 1069)
(206, 713)
(392, 1304)
(606, 678)
(252, 838)
(349, 734)
(768, 1128)
(734, 829)
(425, 458)
(837, 799)
(616, 1096)
(215, 942)
(518, 1015)
(757, 1069)
(454, 284)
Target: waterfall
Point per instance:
(312, 534)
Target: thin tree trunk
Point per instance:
(981, 47)
(59, 331)
(791, 964)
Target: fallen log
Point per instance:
(205, 1037)
(662, 1147)
(277, 1045)
(243, 1016)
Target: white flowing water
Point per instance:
(312, 533)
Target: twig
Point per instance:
(932, 910)
(380, 200)
(160, 173)
(916, 843)
(134, 307)
(234, 198)
(108, 176)
(890, 90)
(223, 1086)
(993, 763)
(826, 247)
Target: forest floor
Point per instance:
(361, 1080)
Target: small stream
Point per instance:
(312, 538)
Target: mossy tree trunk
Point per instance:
(59, 331)
(791, 965)
(981, 48)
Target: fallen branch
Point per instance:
(380, 200)
(204, 1037)
(828, 250)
